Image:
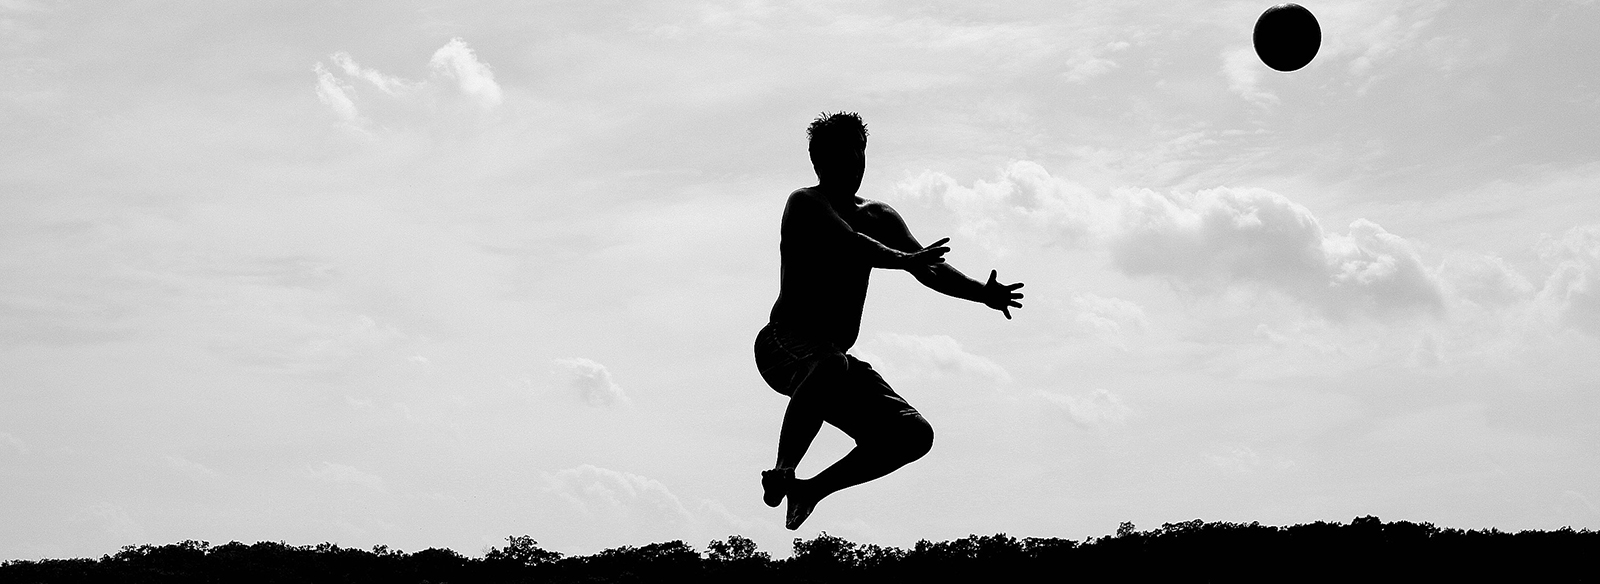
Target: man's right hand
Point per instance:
(927, 256)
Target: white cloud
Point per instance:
(1244, 459)
(1243, 69)
(620, 501)
(1098, 409)
(387, 83)
(1483, 280)
(332, 93)
(1108, 318)
(591, 508)
(1091, 62)
(938, 355)
(590, 381)
(456, 75)
(455, 59)
(1371, 34)
(1211, 239)
(1024, 207)
(1573, 288)
(341, 474)
(268, 332)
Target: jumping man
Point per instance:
(831, 240)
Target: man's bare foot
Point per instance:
(801, 503)
(775, 484)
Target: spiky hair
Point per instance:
(830, 131)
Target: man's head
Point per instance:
(838, 145)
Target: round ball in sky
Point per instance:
(1287, 37)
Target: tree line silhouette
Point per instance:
(1366, 549)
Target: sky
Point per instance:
(430, 275)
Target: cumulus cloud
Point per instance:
(457, 61)
(1209, 239)
(636, 505)
(938, 355)
(1109, 318)
(1483, 280)
(1025, 206)
(1098, 409)
(590, 381)
(1573, 288)
(456, 76)
(591, 507)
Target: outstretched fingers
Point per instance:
(1004, 296)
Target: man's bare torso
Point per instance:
(823, 286)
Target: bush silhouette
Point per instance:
(1367, 549)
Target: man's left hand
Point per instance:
(1001, 297)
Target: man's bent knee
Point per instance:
(915, 440)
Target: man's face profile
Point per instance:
(844, 161)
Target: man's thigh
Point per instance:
(866, 408)
(788, 362)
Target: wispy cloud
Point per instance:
(938, 356)
(1573, 288)
(332, 92)
(387, 83)
(1097, 409)
(1093, 62)
(590, 382)
(1109, 318)
(455, 75)
(189, 468)
(634, 504)
(457, 61)
(1243, 70)
(343, 474)
(111, 520)
(14, 443)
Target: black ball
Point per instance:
(1287, 37)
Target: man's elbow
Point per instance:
(926, 275)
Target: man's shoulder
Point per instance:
(811, 192)
(877, 209)
(807, 194)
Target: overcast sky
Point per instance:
(428, 276)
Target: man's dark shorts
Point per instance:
(848, 393)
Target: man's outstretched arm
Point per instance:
(943, 277)
(810, 212)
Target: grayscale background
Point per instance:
(431, 275)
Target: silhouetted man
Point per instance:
(831, 240)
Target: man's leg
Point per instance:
(901, 443)
(801, 422)
(889, 434)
